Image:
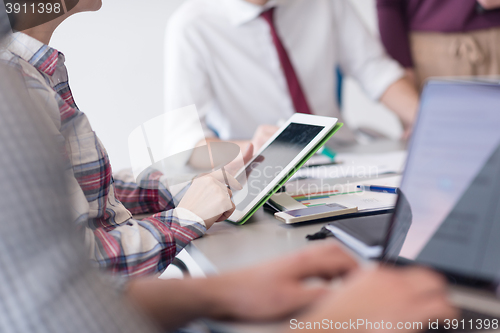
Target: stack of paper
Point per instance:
(344, 194)
(357, 165)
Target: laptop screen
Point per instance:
(448, 215)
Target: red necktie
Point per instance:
(296, 92)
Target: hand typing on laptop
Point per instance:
(385, 298)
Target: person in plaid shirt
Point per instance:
(102, 204)
(47, 284)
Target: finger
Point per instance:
(304, 297)
(270, 128)
(407, 134)
(258, 160)
(227, 214)
(222, 179)
(217, 174)
(226, 202)
(247, 156)
(326, 261)
(425, 281)
(225, 193)
(225, 207)
(437, 308)
(233, 183)
(270, 132)
(218, 179)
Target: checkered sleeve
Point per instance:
(46, 282)
(148, 195)
(116, 241)
(138, 248)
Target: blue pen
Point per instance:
(382, 189)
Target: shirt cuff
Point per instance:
(379, 78)
(176, 188)
(184, 215)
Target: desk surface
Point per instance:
(227, 247)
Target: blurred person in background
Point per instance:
(250, 64)
(101, 204)
(442, 37)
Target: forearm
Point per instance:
(141, 248)
(489, 4)
(174, 303)
(269, 292)
(403, 99)
(148, 195)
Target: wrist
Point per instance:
(186, 214)
(219, 298)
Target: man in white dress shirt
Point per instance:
(249, 64)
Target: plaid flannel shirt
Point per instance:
(46, 282)
(99, 202)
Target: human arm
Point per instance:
(402, 98)
(149, 195)
(387, 297)
(146, 247)
(364, 58)
(143, 247)
(187, 79)
(269, 291)
(52, 286)
(489, 4)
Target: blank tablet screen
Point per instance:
(273, 160)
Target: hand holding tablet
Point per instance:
(280, 157)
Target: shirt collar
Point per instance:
(41, 56)
(240, 12)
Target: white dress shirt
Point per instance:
(221, 57)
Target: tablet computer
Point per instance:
(282, 155)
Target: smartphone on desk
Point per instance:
(314, 213)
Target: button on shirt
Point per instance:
(102, 205)
(220, 56)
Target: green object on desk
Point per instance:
(290, 174)
(328, 153)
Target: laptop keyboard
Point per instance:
(470, 321)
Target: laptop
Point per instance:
(447, 215)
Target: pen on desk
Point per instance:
(375, 188)
(327, 152)
(225, 177)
